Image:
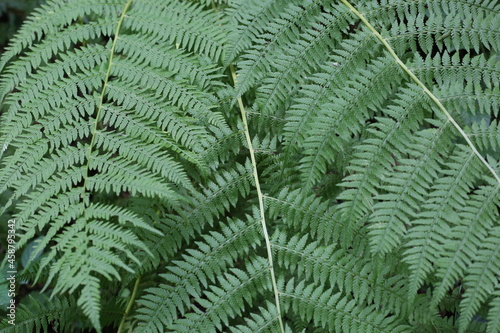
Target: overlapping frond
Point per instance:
(199, 268)
(334, 312)
(103, 121)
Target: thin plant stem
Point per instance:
(129, 305)
(261, 202)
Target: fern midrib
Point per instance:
(426, 90)
(261, 202)
(103, 93)
(444, 32)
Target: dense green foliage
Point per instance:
(254, 166)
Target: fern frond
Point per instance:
(178, 23)
(43, 313)
(249, 19)
(433, 224)
(218, 305)
(322, 142)
(494, 313)
(373, 160)
(468, 25)
(263, 321)
(466, 231)
(304, 213)
(298, 58)
(151, 147)
(200, 267)
(90, 301)
(80, 103)
(483, 278)
(146, 51)
(434, 99)
(279, 32)
(334, 312)
(351, 53)
(486, 136)
(332, 267)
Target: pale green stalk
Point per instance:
(261, 203)
(424, 88)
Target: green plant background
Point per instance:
(252, 165)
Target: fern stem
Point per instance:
(261, 202)
(129, 305)
(103, 91)
(422, 85)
